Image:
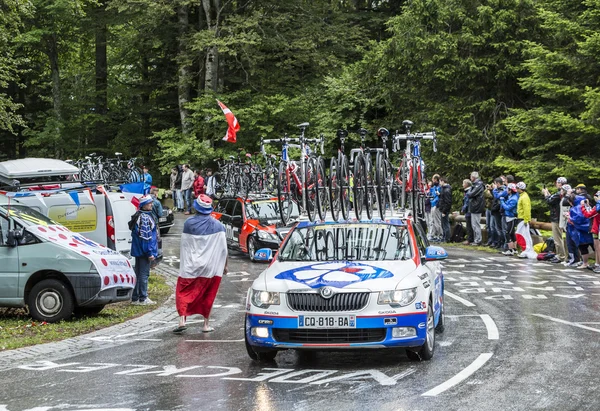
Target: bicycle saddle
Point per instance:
(303, 125)
(407, 124)
(92, 155)
(118, 154)
(248, 155)
(362, 132)
(341, 133)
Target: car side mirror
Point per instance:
(264, 254)
(433, 253)
(12, 239)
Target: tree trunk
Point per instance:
(183, 89)
(52, 52)
(101, 75)
(145, 97)
(211, 71)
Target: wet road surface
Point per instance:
(520, 335)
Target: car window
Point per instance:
(420, 238)
(230, 207)
(221, 206)
(350, 242)
(237, 211)
(267, 210)
(27, 238)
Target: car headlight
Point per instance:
(399, 298)
(267, 236)
(264, 299)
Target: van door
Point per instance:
(9, 269)
(122, 210)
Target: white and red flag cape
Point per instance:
(234, 126)
(524, 240)
(203, 257)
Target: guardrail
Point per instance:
(533, 224)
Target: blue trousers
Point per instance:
(142, 271)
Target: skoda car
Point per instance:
(356, 284)
(252, 223)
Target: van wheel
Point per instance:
(88, 311)
(51, 301)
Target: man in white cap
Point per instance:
(554, 202)
(144, 247)
(203, 263)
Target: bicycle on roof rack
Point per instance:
(339, 181)
(363, 177)
(411, 173)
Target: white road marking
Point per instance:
(558, 320)
(460, 377)
(459, 299)
(216, 341)
(490, 324)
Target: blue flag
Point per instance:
(75, 197)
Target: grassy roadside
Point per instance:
(18, 330)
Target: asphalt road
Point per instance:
(520, 335)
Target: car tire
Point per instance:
(164, 231)
(88, 311)
(441, 325)
(425, 352)
(50, 301)
(252, 248)
(260, 356)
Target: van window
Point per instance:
(80, 219)
(3, 231)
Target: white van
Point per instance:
(47, 186)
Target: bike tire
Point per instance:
(381, 183)
(369, 186)
(322, 198)
(334, 189)
(283, 193)
(345, 188)
(310, 188)
(360, 182)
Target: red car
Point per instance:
(252, 223)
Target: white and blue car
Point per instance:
(356, 284)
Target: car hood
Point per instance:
(368, 275)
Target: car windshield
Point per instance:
(348, 242)
(267, 210)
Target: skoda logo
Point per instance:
(326, 292)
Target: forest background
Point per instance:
(511, 86)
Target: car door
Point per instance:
(226, 219)
(237, 221)
(9, 269)
(433, 268)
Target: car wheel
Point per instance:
(164, 231)
(441, 325)
(51, 301)
(260, 356)
(88, 311)
(425, 352)
(251, 248)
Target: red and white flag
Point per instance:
(234, 126)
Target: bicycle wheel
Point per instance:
(402, 181)
(334, 189)
(369, 186)
(310, 188)
(284, 197)
(322, 198)
(381, 182)
(344, 182)
(360, 183)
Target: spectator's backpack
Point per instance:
(458, 233)
(133, 220)
(549, 246)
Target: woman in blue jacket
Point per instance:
(144, 247)
(509, 205)
(578, 229)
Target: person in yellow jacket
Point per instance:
(524, 204)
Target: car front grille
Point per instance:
(339, 302)
(328, 336)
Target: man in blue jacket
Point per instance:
(144, 247)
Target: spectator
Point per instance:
(437, 232)
(496, 214)
(198, 184)
(187, 181)
(444, 207)
(476, 206)
(501, 192)
(489, 224)
(157, 210)
(211, 184)
(147, 178)
(427, 185)
(578, 227)
(594, 214)
(465, 209)
(509, 205)
(144, 247)
(553, 201)
(176, 188)
(567, 202)
(523, 209)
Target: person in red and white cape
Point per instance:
(203, 263)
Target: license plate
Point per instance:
(327, 321)
(162, 219)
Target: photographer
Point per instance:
(594, 214)
(554, 202)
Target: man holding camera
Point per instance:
(554, 202)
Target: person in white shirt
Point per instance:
(187, 183)
(211, 184)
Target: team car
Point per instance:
(348, 285)
(252, 223)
